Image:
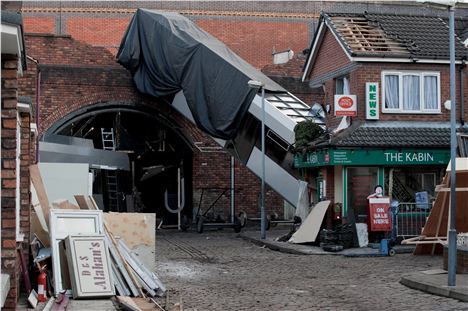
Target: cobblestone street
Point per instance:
(219, 271)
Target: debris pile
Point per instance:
(80, 252)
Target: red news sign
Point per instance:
(379, 215)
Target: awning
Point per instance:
(372, 157)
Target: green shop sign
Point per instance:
(372, 157)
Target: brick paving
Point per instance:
(219, 271)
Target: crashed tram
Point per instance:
(171, 57)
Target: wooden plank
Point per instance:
(310, 227)
(36, 180)
(39, 226)
(84, 202)
(439, 220)
(64, 204)
(448, 189)
(128, 303)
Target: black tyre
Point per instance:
(243, 219)
(237, 225)
(184, 223)
(200, 225)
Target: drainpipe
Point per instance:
(462, 89)
(38, 96)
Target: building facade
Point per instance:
(386, 85)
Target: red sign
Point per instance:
(345, 105)
(380, 218)
(345, 102)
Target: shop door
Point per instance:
(361, 183)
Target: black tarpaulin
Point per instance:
(166, 53)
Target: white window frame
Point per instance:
(421, 75)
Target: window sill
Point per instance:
(411, 112)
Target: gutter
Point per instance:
(462, 99)
(38, 96)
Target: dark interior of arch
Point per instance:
(156, 152)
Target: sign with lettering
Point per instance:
(372, 157)
(380, 218)
(372, 101)
(345, 105)
(89, 266)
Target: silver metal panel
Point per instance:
(279, 122)
(96, 158)
(275, 176)
(69, 140)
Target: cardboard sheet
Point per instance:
(310, 228)
(134, 228)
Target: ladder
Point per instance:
(108, 142)
(112, 191)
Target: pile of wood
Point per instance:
(435, 232)
(136, 286)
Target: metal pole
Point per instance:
(262, 206)
(452, 238)
(178, 199)
(232, 190)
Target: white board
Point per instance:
(89, 266)
(66, 222)
(65, 180)
(310, 228)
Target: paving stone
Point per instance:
(222, 272)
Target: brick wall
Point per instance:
(10, 263)
(75, 75)
(252, 36)
(330, 56)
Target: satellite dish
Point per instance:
(317, 113)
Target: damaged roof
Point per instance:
(389, 36)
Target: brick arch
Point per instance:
(162, 112)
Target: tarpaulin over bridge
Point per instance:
(167, 53)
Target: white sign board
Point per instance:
(372, 101)
(89, 266)
(70, 222)
(345, 105)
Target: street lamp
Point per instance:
(260, 85)
(452, 234)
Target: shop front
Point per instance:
(404, 174)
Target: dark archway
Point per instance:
(157, 148)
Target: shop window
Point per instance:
(410, 92)
(407, 182)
